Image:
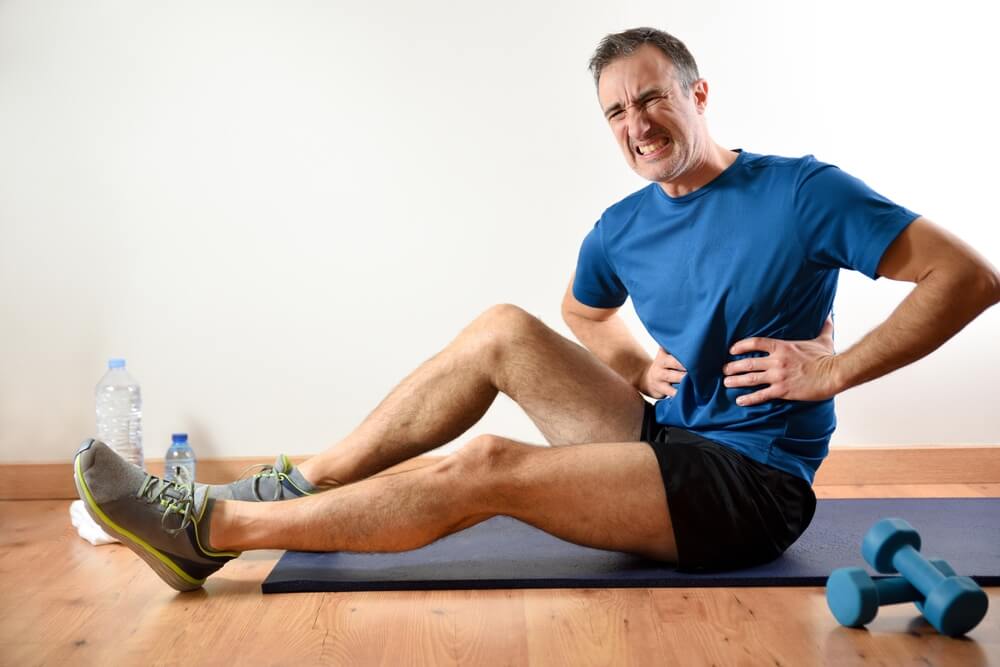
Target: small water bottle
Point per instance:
(119, 412)
(178, 465)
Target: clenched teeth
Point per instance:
(646, 149)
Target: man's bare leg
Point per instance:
(569, 393)
(607, 495)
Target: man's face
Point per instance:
(657, 125)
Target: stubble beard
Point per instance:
(674, 166)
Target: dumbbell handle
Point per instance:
(894, 590)
(918, 570)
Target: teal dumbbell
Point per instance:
(854, 597)
(954, 605)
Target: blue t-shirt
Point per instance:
(755, 252)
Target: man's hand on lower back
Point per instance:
(661, 376)
(793, 370)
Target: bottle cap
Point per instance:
(116, 363)
(179, 437)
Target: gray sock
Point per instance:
(267, 484)
(296, 476)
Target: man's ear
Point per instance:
(699, 89)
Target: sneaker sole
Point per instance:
(161, 563)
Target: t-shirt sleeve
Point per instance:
(596, 284)
(843, 223)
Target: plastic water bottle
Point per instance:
(178, 465)
(119, 412)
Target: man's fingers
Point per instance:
(756, 398)
(746, 380)
(670, 361)
(753, 345)
(663, 390)
(748, 365)
(674, 377)
(741, 366)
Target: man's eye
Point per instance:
(616, 115)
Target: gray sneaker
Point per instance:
(164, 523)
(281, 481)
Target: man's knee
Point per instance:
(500, 325)
(503, 313)
(506, 318)
(484, 455)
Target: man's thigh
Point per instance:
(571, 395)
(603, 495)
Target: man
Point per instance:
(731, 260)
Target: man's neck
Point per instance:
(716, 161)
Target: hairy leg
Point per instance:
(571, 395)
(604, 495)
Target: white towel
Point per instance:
(86, 526)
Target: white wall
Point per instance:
(275, 211)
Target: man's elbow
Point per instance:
(569, 317)
(992, 289)
(983, 286)
(975, 285)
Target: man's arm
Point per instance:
(954, 284)
(604, 333)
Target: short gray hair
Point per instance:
(621, 44)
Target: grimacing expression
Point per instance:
(656, 124)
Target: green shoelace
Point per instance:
(266, 470)
(175, 498)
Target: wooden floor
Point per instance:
(64, 602)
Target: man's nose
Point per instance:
(638, 124)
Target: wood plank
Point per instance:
(428, 627)
(603, 626)
(918, 464)
(792, 626)
(908, 491)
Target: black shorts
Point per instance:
(728, 511)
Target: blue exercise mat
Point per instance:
(505, 553)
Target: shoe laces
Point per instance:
(266, 470)
(174, 498)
